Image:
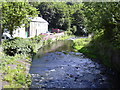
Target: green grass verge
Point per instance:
(14, 71)
(93, 49)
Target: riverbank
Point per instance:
(15, 71)
(99, 49)
(106, 50)
(15, 64)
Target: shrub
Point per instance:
(68, 32)
(37, 39)
(18, 46)
(74, 29)
(79, 43)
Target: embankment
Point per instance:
(100, 49)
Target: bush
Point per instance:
(36, 39)
(18, 46)
(23, 46)
(74, 29)
(68, 32)
(79, 43)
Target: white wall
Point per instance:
(42, 28)
(20, 32)
(37, 28)
(32, 29)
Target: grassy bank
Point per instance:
(65, 37)
(83, 45)
(15, 71)
(16, 59)
(107, 51)
(100, 49)
(91, 49)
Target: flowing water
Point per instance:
(58, 66)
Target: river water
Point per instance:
(58, 66)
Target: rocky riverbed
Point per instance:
(62, 68)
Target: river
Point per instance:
(58, 66)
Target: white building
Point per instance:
(20, 32)
(37, 26)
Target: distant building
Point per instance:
(37, 26)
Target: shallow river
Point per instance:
(57, 66)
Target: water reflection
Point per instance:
(56, 46)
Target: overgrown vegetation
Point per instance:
(102, 19)
(15, 14)
(14, 71)
(21, 46)
(16, 57)
(90, 48)
(105, 44)
(63, 15)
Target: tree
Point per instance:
(103, 18)
(0, 22)
(63, 15)
(15, 14)
(78, 21)
(47, 11)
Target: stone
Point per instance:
(78, 54)
(77, 67)
(52, 70)
(92, 65)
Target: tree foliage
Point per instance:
(105, 18)
(15, 14)
(62, 15)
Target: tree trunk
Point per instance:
(0, 23)
(0, 33)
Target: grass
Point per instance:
(80, 43)
(14, 71)
(65, 37)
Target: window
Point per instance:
(7, 37)
(2, 37)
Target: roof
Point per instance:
(39, 19)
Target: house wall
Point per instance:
(20, 32)
(37, 28)
(42, 28)
(32, 30)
